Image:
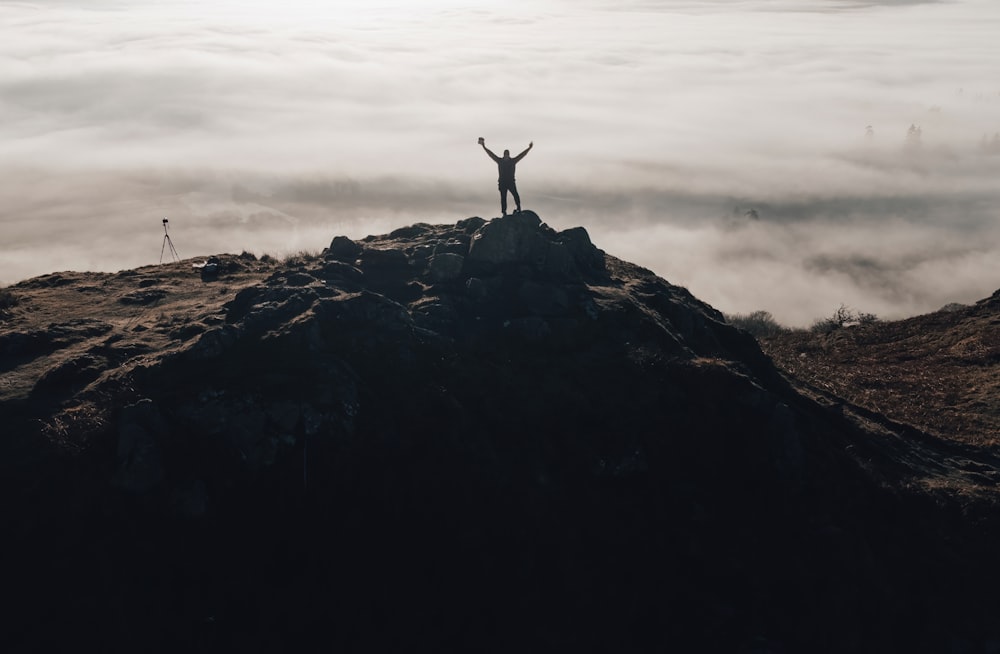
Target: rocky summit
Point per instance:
(482, 437)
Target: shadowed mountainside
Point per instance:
(487, 436)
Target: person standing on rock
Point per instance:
(505, 165)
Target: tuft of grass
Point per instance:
(299, 258)
(760, 324)
(842, 317)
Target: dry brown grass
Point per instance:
(119, 319)
(939, 372)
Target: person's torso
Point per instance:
(506, 168)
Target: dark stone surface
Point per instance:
(446, 266)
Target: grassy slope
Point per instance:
(938, 372)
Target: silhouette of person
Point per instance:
(505, 166)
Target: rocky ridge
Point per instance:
(487, 435)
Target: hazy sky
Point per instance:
(658, 125)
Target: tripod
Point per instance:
(166, 242)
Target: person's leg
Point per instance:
(517, 198)
(503, 199)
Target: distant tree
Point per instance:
(842, 317)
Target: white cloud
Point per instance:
(652, 121)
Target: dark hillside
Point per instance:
(487, 436)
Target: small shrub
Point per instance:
(760, 324)
(7, 299)
(842, 317)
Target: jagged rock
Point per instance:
(422, 252)
(438, 315)
(452, 246)
(384, 260)
(558, 263)
(412, 231)
(543, 299)
(507, 240)
(188, 331)
(364, 308)
(340, 271)
(470, 225)
(343, 249)
(244, 301)
(446, 266)
(299, 279)
(584, 253)
(214, 342)
(522, 239)
(277, 305)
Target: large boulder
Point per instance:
(343, 249)
(522, 240)
(446, 266)
(511, 239)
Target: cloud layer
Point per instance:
(659, 125)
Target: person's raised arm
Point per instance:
(526, 150)
(489, 152)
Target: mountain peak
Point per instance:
(482, 434)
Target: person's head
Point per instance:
(506, 154)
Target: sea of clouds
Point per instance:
(724, 144)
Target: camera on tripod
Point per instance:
(167, 241)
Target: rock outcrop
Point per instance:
(487, 436)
